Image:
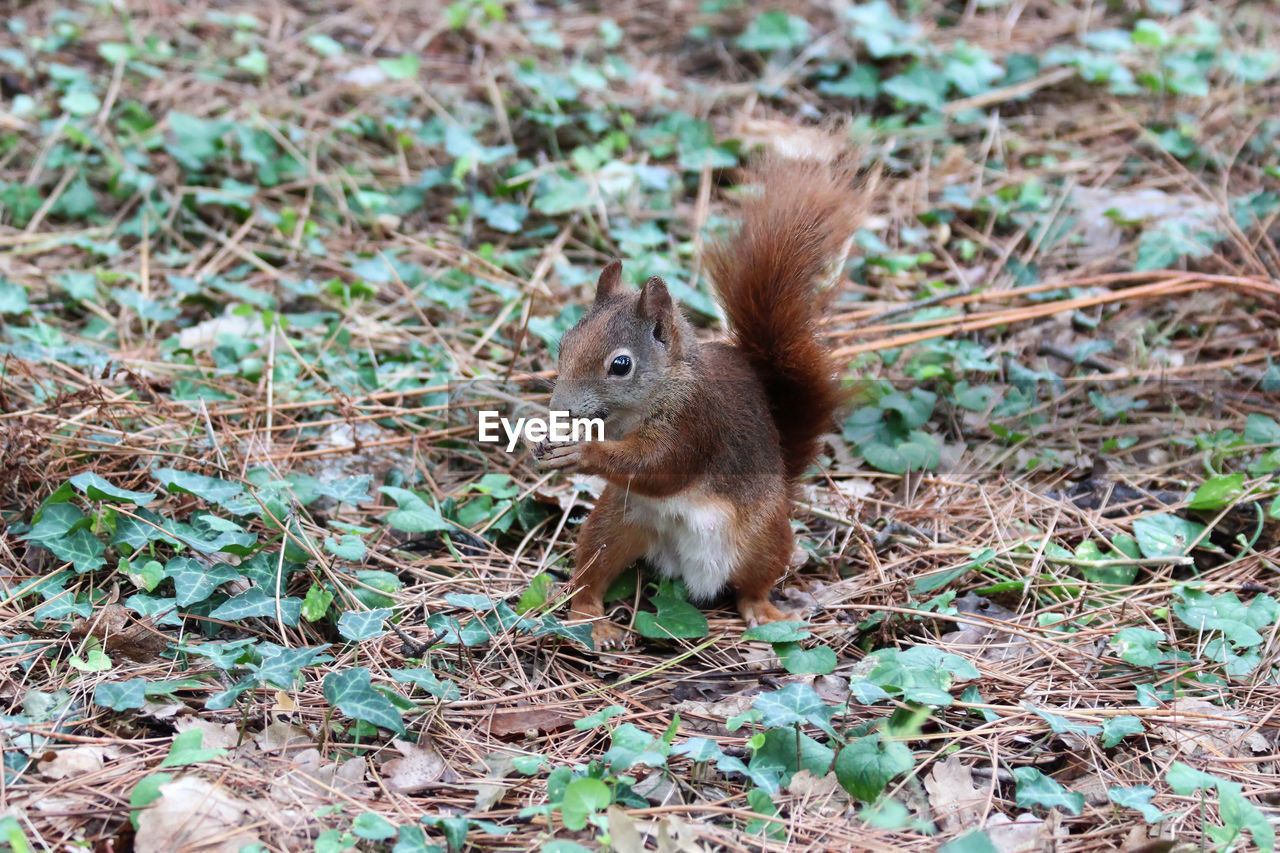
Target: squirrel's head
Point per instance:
(629, 356)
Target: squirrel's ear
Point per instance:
(610, 280)
(656, 305)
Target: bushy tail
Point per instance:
(796, 225)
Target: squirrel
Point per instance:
(704, 442)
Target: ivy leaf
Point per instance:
(193, 582)
(81, 548)
(1261, 429)
(97, 489)
(798, 661)
(1216, 493)
(1139, 798)
(778, 632)
(675, 617)
(56, 521)
(121, 695)
(194, 141)
(583, 798)
(360, 625)
(210, 489)
(188, 749)
(921, 674)
(348, 490)
(795, 704)
(426, 679)
(282, 667)
(1165, 534)
(403, 67)
(373, 827)
(1037, 789)
(255, 602)
(353, 694)
(1226, 613)
(867, 764)
(775, 30)
(1117, 729)
(349, 547)
(414, 515)
(1139, 646)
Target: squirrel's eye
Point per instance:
(620, 366)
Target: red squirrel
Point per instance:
(703, 442)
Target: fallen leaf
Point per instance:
(956, 801)
(77, 761)
(194, 814)
(522, 720)
(120, 633)
(309, 780)
(1027, 834)
(419, 767)
(215, 735)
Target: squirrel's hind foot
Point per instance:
(608, 635)
(758, 611)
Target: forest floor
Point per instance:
(259, 585)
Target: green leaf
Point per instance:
(919, 86)
(403, 67)
(97, 489)
(975, 841)
(195, 141)
(210, 489)
(56, 521)
(1139, 798)
(1037, 789)
(95, 660)
(360, 625)
(414, 514)
(372, 826)
(1117, 729)
(80, 102)
(193, 582)
(255, 602)
(316, 603)
(121, 695)
(583, 798)
(778, 632)
(1165, 535)
(795, 704)
(81, 548)
(675, 617)
(1219, 492)
(353, 694)
(921, 674)
(1139, 646)
(426, 679)
(775, 30)
(13, 297)
(800, 661)
(255, 62)
(1261, 429)
(348, 546)
(282, 667)
(867, 764)
(146, 792)
(1238, 622)
(324, 45)
(599, 718)
(188, 749)
(348, 490)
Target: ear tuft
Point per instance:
(610, 280)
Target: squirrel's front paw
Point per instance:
(607, 635)
(559, 457)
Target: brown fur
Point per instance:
(709, 431)
(791, 232)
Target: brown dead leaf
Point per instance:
(419, 767)
(622, 831)
(818, 794)
(77, 761)
(528, 720)
(194, 814)
(956, 801)
(1027, 834)
(215, 735)
(1188, 727)
(121, 634)
(310, 780)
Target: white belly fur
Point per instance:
(693, 539)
